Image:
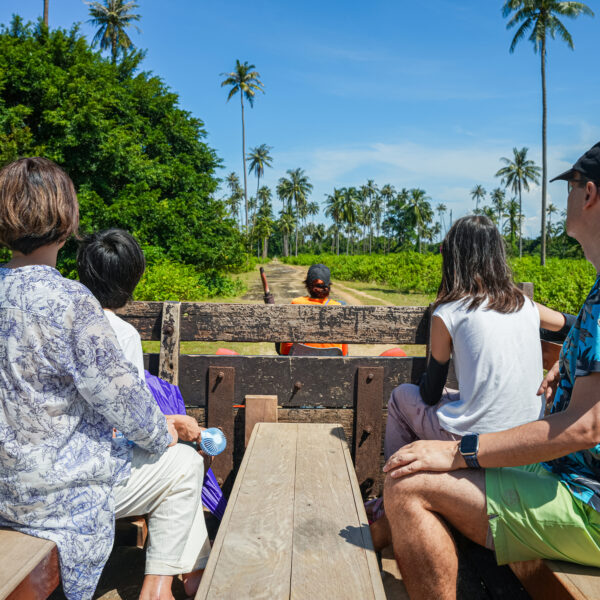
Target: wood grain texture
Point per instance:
(259, 409)
(285, 323)
(327, 382)
(28, 566)
(332, 549)
(168, 363)
(544, 579)
(252, 554)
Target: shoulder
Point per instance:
(122, 328)
(301, 300)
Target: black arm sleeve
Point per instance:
(433, 381)
(561, 334)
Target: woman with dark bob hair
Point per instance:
(65, 384)
(492, 332)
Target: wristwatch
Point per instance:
(469, 446)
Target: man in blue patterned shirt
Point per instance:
(527, 492)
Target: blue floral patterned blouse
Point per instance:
(64, 384)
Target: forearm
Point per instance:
(549, 438)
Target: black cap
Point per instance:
(319, 271)
(588, 165)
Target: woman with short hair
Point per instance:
(64, 384)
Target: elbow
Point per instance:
(587, 431)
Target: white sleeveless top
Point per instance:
(498, 364)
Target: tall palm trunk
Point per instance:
(265, 247)
(244, 158)
(286, 251)
(520, 225)
(544, 165)
(113, 47)
(46, 12)
(337, 240)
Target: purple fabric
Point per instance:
(170, 401)
(167, 396)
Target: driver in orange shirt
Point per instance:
(318, 285)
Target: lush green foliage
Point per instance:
(138, 161)
(167, 280)
(562, 284)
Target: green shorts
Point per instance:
(532, 514)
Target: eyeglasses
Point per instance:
(580, 183)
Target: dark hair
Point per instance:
(38, 205)
(475, 268)
(316, 292)
(110, 264)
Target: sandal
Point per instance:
(374, 509)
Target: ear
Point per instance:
(592, 195)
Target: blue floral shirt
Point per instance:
(580, 356)
(64, 384)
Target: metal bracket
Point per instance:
(368, 428)
(220, 399)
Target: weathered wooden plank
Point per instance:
(168, 365)
(252, 553)
(259, 409)
(367, 438)
(220, 394)
(296, 381)
(331, 541)
(558, 580)
(286, 323)
(28, 567)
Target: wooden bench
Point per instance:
(29, 566)
(295, 525)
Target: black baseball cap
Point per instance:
(588, 165)
(319, 271)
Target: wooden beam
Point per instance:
(28, 566)
(168, 364)
(367, 437)
(285, 323)
(297, 380)
(221, 386)
(259, 409)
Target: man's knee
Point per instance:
(405, 490)
(186, 461)
(402, 395)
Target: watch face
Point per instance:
(469, 444)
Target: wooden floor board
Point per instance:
(254, 546)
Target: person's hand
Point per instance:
(172, 431)
(550, 383)
(430, 455)
(187, 427)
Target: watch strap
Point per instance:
(472, 461)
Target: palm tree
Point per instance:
(542, 18)
(233, 202)
(286, 226)
(370, 192)
(497, 196)
(349, 212)
(478, 193)
(245, 81)
(264, 220)
(420, 211)
(441, 211)
(334, 209)
(517, 175)
(512, 215)
(295, 189)
(112, 17)
(550, 211)
(46, 12)
(387, 194)
(259, 159)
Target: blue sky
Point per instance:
(420, 94)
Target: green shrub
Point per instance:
(167, 280)
(562, 284)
